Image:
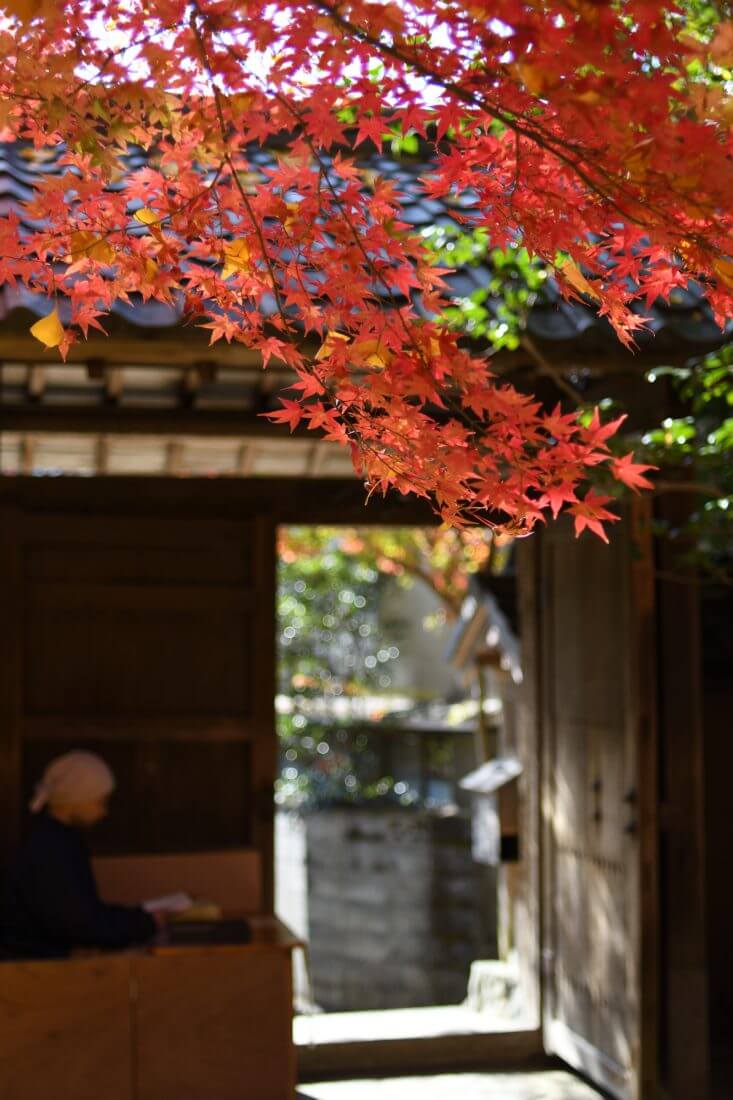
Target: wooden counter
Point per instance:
(165, 1022)
(216, 1021)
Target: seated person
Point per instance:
(50, 903)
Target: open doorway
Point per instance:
(381, 718)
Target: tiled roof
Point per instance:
(685, 320)
(154, 399)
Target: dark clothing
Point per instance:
(50, 902)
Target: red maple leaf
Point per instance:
(291, 413)
(261, 213)
(558, 495)
(632, 473)
(590, 513)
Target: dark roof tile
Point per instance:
(686, 317)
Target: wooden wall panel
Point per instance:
(206, 791)
(227, 558)
(51, 1044)
(229, 1038)
(171, 795)
(150, 640)
(231, 879)
(138, 616)
(92, 661)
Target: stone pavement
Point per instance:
(544, 1085)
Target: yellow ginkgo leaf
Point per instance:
(292, 215)
(242, 102)
(724, 271)
(88, 244)
(331, 343)
(23, 9)
(49, 330)
(687, 181)
(586, 9)
(146, 216)
(393, 18)
(371, 353)
(431, 347)
(535, 79)
(591, 97)
(577, 279)
(236, 259)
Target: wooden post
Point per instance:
(11, 595)
(528, 913)
(264, 748)
(685, 1050)
(644, 801)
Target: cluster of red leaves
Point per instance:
(571, 126)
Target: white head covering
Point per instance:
(74, 777)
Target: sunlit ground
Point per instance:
(401, 1023)
(467, 1086)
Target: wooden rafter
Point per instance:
(36, 379)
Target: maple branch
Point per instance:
(549, 369)
(544, 139)
(662, 486)
(235, 176)
(117, 53)
(548, 142)
(451, 603)
(683, 578)
(463, 413)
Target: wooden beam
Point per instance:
(101, 455)
(245, 459)
(113, 383)
(36, 382)
(126, 347)
(174, 457)
(151, 349)
(190, 385)
(317, 458)
(123, 420)
(286, 500)
(28, 447)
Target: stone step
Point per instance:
(493, 986)
(552, 1085)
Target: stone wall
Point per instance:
(397, 909)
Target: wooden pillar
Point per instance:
(528, 915)
(645, 801)
(11, 593)
(684, 1018)
(264, 749)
